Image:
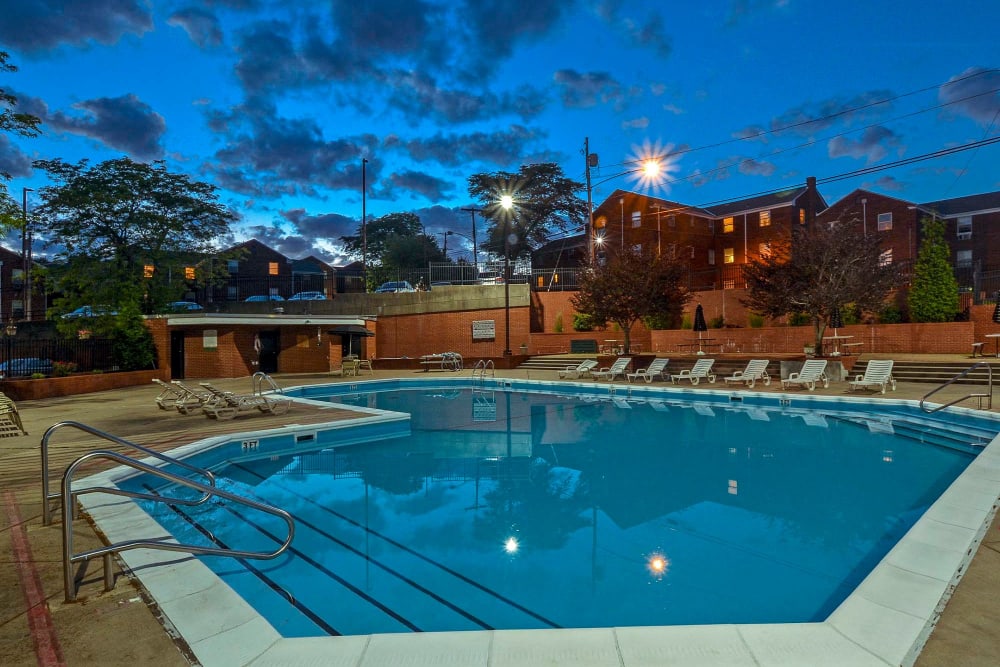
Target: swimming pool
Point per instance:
(680, 549)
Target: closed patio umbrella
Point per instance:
(699, 320)
(996, 311)
(836, 321)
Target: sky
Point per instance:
(277, 104)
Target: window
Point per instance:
(233, 266)
(188, 273)
(728, 256)
(964, 228)
(637, 219)
(884, 222)
(711, 255)
(601, 223)
(231, 292)
(802, 216)
(764, 249)
(885, 259)
(729, 283)
(765, 218)
(17, 278)
(727, 225)
(272, 268)
(147, 271)
(963, 258)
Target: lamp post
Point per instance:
(364, 222)
(507, 203)
(26, 252)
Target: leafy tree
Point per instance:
(132, 345)
(545, 201)
(411, 252)
(824, 266)
(933, 290)
(378, 232)
(20, 124)
(114, 218)
(632, 285)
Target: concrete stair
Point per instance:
(937, 372)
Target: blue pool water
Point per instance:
(534, 510)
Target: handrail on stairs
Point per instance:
(988, 396)
(47, 496)
(106, 551)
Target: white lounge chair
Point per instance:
(657, 367)
(616, 369)
(169, 394)
(702, 370)
(878, 374)
(580, 370)
(227, 404)
(756, 370)
(812, 371)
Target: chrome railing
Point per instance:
(106, 551)
(260, 379)
(482, 367)
(988, 396)
(47, 496)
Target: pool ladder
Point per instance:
(988, 396)
(260, 379)
(68, 494)
(482, 367)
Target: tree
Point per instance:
(933, 291)
(378, 232)
(545, 201)
(631, 285)
(117, 217)
(824, 267)
(20, 124)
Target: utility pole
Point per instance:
(364, 222)
(26, 252)
(475, 250)
(591, 161)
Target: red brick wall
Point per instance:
(415, 335)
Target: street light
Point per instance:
(507, 204)
(26, 252)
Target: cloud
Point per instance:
(873, 145)
(978, 84)
(808, 119)
(13, 163)
(201, 26)
(418, 95)
(890, 184)
(268, 58)
(584, 90)
(495, 27)
(752, 167)
(124, 123)
(422, 184)
(502, 148)
(40, 25)
(741, 10)
(652, 33)
(752, 133)
(640, 123)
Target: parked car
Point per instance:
(183, 306)
(395, 286)
(89, 311)
(263, 297)
(490, 278)
(308, 296)
(25, 366)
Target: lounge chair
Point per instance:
(578, 371)
(193, 399)
(168, 396)
(657, 368)
(812, 371)
(347, 367)
(616, 369)
(878, 374)
(756, 370)
(227, 404)
(702, 369)
(10, 418)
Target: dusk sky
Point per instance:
(277, 103)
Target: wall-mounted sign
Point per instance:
(484, 329)
(210, 339)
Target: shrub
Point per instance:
(717, 322)
(686, 322)
(132, 343)
(63, 368)
(890, 314)
(38, 376)
(583, 322)
(660, 321)
(559, 322)
(798, 319)
(756, 321)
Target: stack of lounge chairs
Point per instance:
(227, 404)
(10, 419)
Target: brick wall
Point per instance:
(415, 335)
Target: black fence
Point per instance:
(24, 358)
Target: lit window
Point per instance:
(233, 266)
(272, 268)
(711, 255)
(728, 256)
(765, 218)
(764, 249)
(884, 222)
(964, 228)
(734, 487)
(729, 283)
(600, 223)
(637, 219)
(147, 271)
(963, 258)
(727, 225)
(802, 216)
(885, 259)
(188, 273)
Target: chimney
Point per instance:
(811, 199)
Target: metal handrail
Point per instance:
(46, 496)
(988, 397)
(481, 367)
(260, 378)
(106, 551)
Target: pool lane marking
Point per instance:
(273, 585)
(43, 631)
(403, 547)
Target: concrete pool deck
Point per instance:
(120, 627)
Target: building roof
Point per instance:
(758, 203)
(988, 202)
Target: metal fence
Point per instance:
(25, 357)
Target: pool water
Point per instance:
(531, 510)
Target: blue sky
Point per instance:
(277, 103)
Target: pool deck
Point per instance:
(123, 627)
